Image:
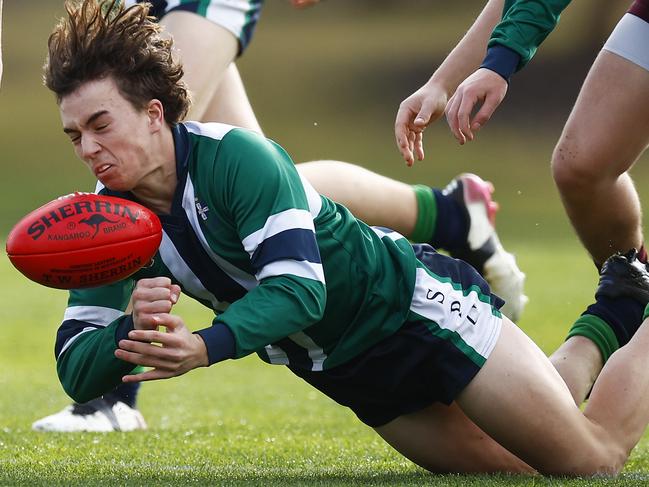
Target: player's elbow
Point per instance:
(79, 384)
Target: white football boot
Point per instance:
(97, 415)
(483, 249)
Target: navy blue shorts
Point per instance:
(426, 360)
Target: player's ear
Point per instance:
(155, 112)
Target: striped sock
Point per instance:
(609, 323)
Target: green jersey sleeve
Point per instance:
(93, 323)
(524, 26)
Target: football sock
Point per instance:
(609, 323)
(127, 393)
(426, 214)
(441, 220)
(452, 225)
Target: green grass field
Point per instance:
(240, 422)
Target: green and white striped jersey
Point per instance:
(289, 274)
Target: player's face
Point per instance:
(110, 135)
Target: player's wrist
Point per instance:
(439, 84)
(202, 358)
(501, 60)
(219, 342)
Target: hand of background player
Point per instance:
(171, 353)
(415, 113)
(303, 3)
(150, 298)
(483, 86)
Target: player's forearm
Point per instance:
(524, 26)
(88, 368)
(470, 51)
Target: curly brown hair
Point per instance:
(102, 38)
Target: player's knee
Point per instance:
(573, 167)
(602, 459)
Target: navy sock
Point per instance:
(623, 315)
(452, 226)
(127, 393)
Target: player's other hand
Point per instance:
(483, 87)
(170, 353)
(151, 298)
(303, 3)
(415, 113)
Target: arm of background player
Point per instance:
(524, 26)
(267, 203)
(93, 324)
(427, 104)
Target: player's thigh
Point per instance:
(608, 127)
(520, 400)
(206, 49)
(230, 104)
(441, 438)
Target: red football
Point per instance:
(84, 240)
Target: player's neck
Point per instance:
(156, 190)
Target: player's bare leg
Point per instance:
(579, 362)
(371, 197)
(230, 103)
(603, 137)
(442, 439)
(519, 399)
(206, 50)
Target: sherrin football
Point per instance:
(84, 240)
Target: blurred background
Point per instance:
(326, 83)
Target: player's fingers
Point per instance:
(173, 323)
(464, 113)
(419, 146)
(152, 307)
(154, 282)
(141, 308)
(451, 116)
(175, 293)
(145, 360)
(425, 115)
(151, 294)
(401, 131)
(486, 111)
(154, 374)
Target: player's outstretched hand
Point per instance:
(484, 87)
(150, 298)
(415, 113)
(171, 353)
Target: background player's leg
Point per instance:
(230, 104)
(373, 198)
(604, 135)
(206, 50)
